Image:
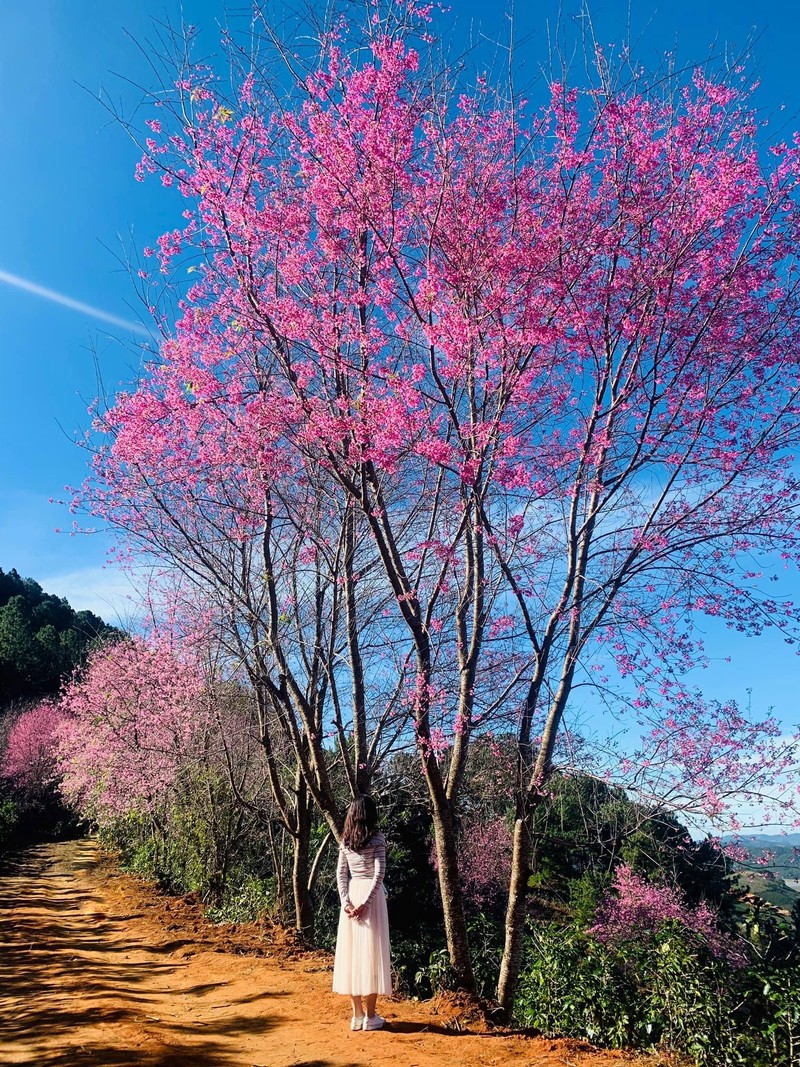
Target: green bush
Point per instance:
(772, 1009)
(10, 816)
(248, 897)
(668, 992)
(572, 985)
(486, 936)
(27, 820)
(182, 855)
(436, 975)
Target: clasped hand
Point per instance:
(356, 912)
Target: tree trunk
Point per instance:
(303, 907)
(515, 916)
(527, 803)
(455, 924)
(316, 864)
(277, 852)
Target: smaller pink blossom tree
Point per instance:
(30, 759)
(136, 715)
(635, 909)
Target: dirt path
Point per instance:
(96, 968)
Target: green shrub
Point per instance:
(10, 817)
(773, 1014)
(436, 975)
(666, 992)
(572, 985)
(247, 898)
(486, 936)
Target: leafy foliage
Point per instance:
(10, 818)
(668, 991)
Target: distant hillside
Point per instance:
(770, 840)
(42, 638)
(777, 853)
(769, 887)
(774, 860)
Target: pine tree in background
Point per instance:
(42, 638)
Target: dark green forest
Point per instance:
(42, 638)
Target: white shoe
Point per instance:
(373, 1022)
(357, 1022)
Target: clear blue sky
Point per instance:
(68, 196)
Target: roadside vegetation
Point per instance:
(636, 934)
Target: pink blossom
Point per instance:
(635, 908)
(132, 721)
(485, 857)
(30, 759)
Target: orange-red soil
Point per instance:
(98, 968)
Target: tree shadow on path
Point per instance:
(79, 986)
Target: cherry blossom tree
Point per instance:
(134, 719)
(365, 426)
(635, 908)
(676, 469)
(273, 555)
(30, 757)
(544, 361)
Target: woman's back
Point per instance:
(362, 965)
(362, 864)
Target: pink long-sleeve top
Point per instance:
(370, 862)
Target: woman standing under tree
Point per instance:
(362, 967)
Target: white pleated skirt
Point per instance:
(362, 964)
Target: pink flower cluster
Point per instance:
(30, 759)
(635, 908)
(710, 758)
(485, 858)
(133, 721)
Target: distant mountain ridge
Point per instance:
(788, 839)
(772, 871)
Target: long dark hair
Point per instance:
(360, 823)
